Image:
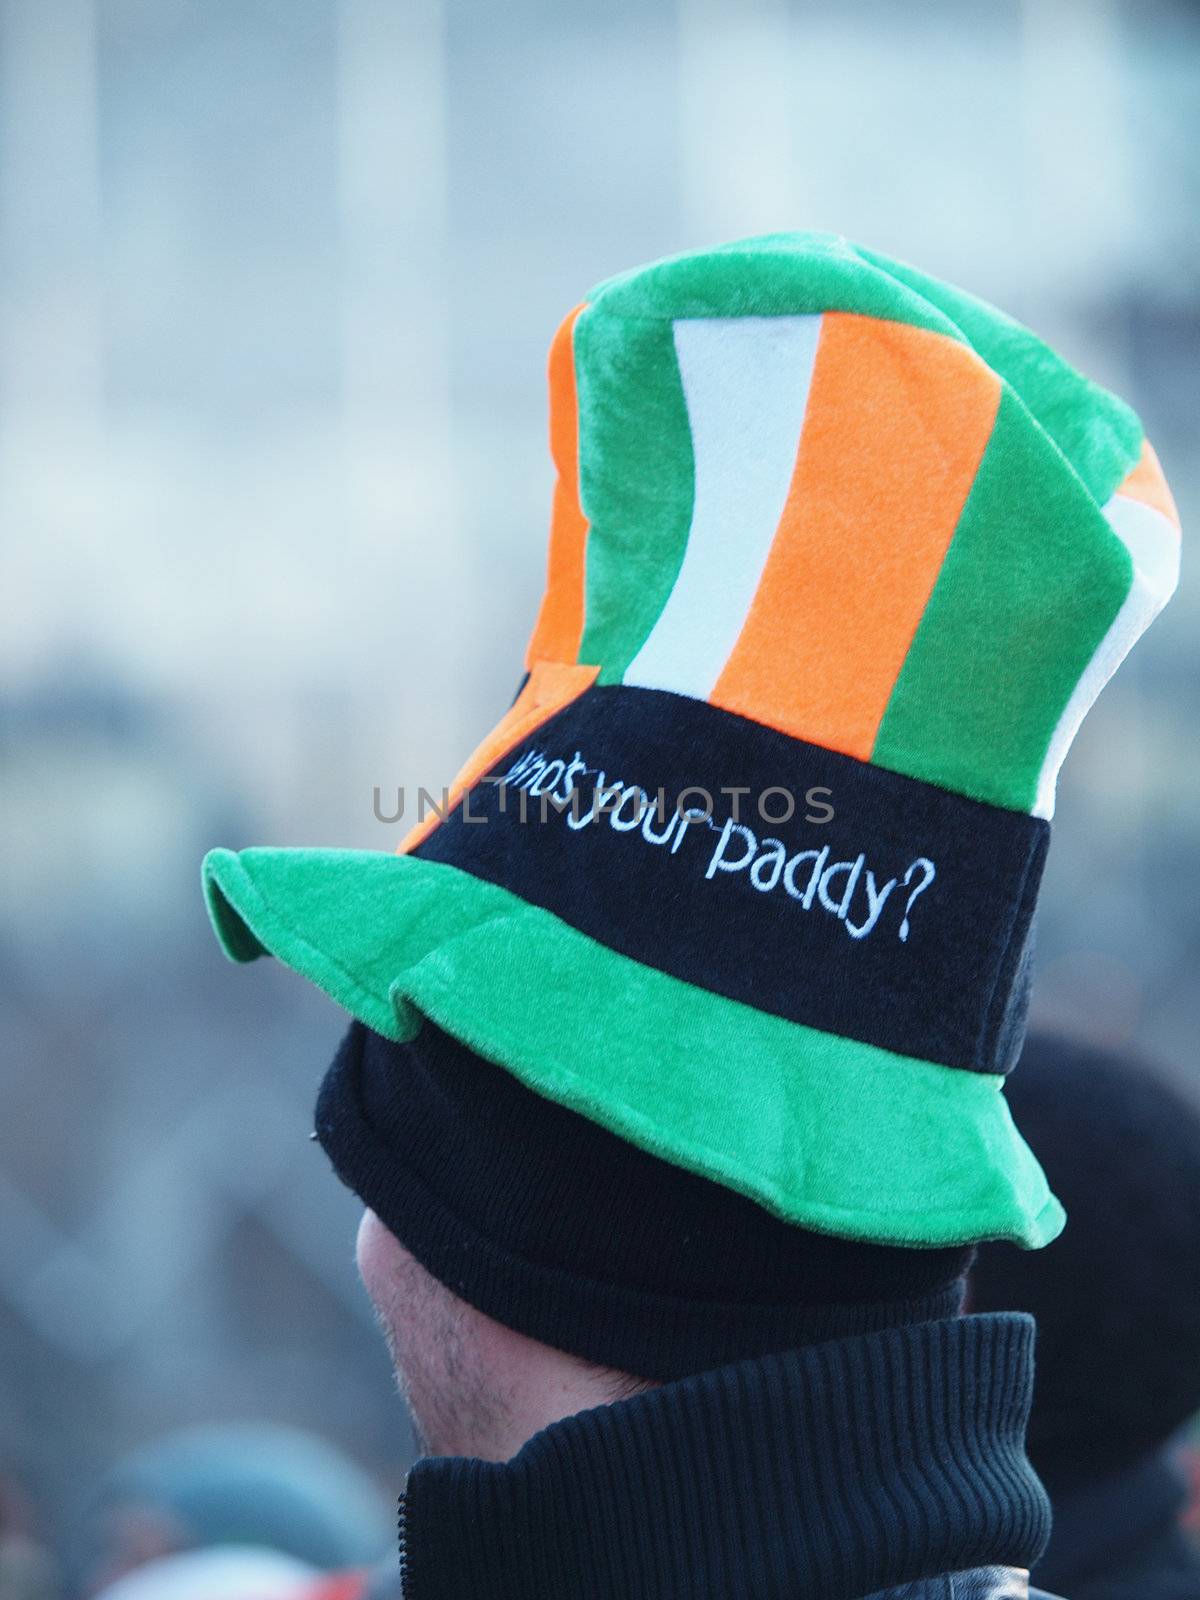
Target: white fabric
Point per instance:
(746, 382)
(221, 1573)
(1153, 544)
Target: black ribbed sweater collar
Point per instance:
(828, 1472)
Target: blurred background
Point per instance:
(277, 279)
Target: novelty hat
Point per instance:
(839, 558)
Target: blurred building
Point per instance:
(276, 282)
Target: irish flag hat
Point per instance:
(839, 558)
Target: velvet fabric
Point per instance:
(863, 903)
(807, 490)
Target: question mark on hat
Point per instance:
(927, 879)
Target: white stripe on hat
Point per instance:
(1153, 544)
(746, 382)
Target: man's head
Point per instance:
(473, 1386)
(527, 1264)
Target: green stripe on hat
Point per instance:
(635, 481)
(1032, 553)
(787, 274)
(795, 1118)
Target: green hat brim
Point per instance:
(828, 1132)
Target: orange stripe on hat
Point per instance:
(1147, 484)
(559, 626)
(897, 422)
(551, 685)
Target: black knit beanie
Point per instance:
(559, 1229)
(1117, 1297)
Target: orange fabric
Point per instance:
(551, 686)
(897, 422)
(1147, 484)
(1190, 1515)
(351, 1587)
(559, 626)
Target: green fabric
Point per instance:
(1033, 557)
(635, 480)
(836, 1135)
(780, 274)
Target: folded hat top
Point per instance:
(821, 524)
(815, 488)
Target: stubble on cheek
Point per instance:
(441, 1376)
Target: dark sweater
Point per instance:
(832, 1472)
